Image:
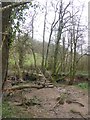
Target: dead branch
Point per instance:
(13, 5)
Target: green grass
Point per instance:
(12, 60)
(12, 111)
(83, 85)
(28, 60)
(7, 110)
(82, 73)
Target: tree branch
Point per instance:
(13, 5)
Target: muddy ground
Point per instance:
(61, 101)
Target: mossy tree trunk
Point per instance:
(5, 39)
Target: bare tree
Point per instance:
(77, 33)
(29, 29)
(44, 30)
(62, 13)
(54, 23)
(32, 24)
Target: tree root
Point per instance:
(70, 101)
(76, 112)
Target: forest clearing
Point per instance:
(44, 60)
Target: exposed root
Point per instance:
(70, 101)
(76, 112)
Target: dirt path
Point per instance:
(74, 105)
(48, 96)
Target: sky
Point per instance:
(76, 2)
(38, 24)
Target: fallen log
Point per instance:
(20, 87)
(49, 86)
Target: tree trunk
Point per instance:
(56, 49)
(6, 12)
(71, 60)
(44, 30)
(47, 52)
(59, 33)
(34, 56)
(5, 39)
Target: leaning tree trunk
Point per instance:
(5, 39)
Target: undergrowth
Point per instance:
(83, 85)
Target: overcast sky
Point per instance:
(38, 25)
(76, 3)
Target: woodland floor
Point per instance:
(61, 101)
